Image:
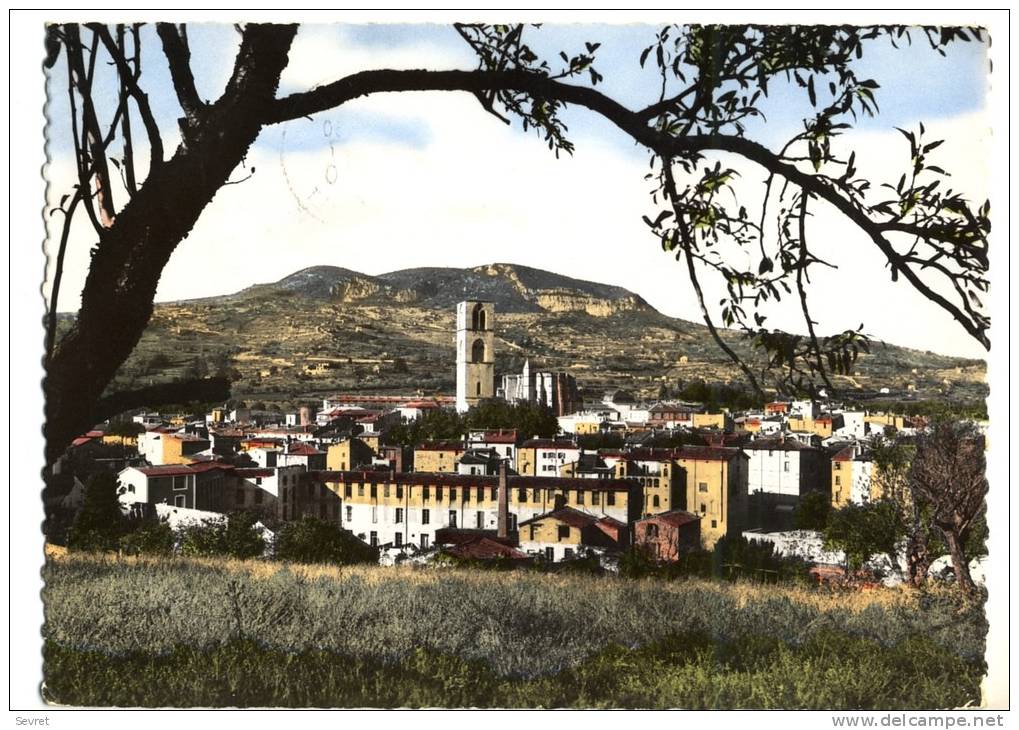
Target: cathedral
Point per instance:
(475, 368)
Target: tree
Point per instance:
(863, 531)
(310, 540)
(100, 523)
(710, 80)
(236, 537)
(948, 478)
(812, 511)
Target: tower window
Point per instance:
(478, 351)
(478, 317)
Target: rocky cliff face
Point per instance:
(569, 301)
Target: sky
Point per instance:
(396, 181)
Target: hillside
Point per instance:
(326, 329)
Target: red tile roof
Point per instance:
(301, 449)
(549, 444)
(566, 515)
(485, 548)
(499, 437)
(255, 472)
(440, 446)
(676, 517)
(471, 480)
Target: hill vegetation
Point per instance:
(327, 329)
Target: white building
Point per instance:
(853, 425)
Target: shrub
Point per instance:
(100, 523)
(148, 538)
(737, 557)
(310, 540)
(237, 537)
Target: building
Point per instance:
(716, 489)
(389, 508)
(853, 474)
(556, 391)
(717, 421)
(779, 472)
(301, 454)
(503, 441)
(567, 533)
(438, 456)
(475, 353)
(666, 536)
(545, 457)
(163, 445)
(190, 486)
(348, 455)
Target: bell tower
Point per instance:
(475, 353)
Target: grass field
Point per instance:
(178, 632)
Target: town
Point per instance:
(663, 477)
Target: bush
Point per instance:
(310, 540)
(149, 538)
(737, 557)
(236, 538)
(100, 523)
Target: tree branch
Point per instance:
(203, 390)
(178, 55)
(140, 97)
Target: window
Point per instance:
(704, 508)
(595, 497)
(350, 513)
(374, 541)
(536, 495)
(838, 466)
(714, 523)
(479, 518)
(655, 502)
(495, 494)
(452, 495)
(521, 495)
(838, 480)
(549, 554)
(452, 518)
(375, 513)
(258, 480)
(478, 388)
(424, 542)
(425, 517)
(425, 493)
(785, 466)
(347, 489)
(399, 515)
(385, 491)
(399, 492)
(399, 539)
(651, 531)
(180, 482)
(564, 532)
(580, 496)
(438, 494)
(533, 531)
(466, 495)
(179, 500)
(478, 354)
(568, 553)
(360, 490)
(374, 491)
(702, 487)
(611, 498)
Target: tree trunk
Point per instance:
(116, 302)
(962, 576)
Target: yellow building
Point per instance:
(349, 454)
(720, 421)
(584, 428)
(716, 489)
(659, 474)
(854, 479)
(372, 439)
(822, 426)
(886, 419)
(112, 439)
(179, 448)
(437, 456)
(395, 508)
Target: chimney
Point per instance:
(503, 519)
